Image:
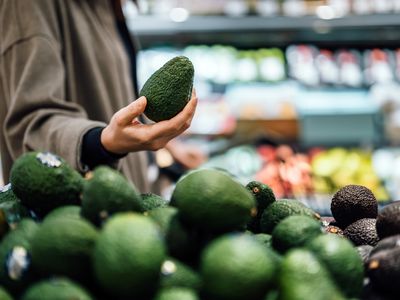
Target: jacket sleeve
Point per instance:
(39, 117)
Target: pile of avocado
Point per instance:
(96, 237)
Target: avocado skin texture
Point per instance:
(168, 89)
(6, 194)
(151, 201)
(280, 209)
(106, 193)
(56, 288)
(342, 261)
(42, 188)
(384, 270)
(302, 275)
(21, 236)
(388, 220)
(222, 205)
(353, 202)
(264, 197)
(295, 231)
(176, 293)
(362, 232)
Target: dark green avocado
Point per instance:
(169, 89)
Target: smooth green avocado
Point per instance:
(169, 89)
(44, 181)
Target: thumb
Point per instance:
(131, 111)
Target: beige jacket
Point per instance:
(63, 71)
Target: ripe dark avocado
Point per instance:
(108, 192)
(169, 89)
(388, 220)
(353, 202)
(44, 181)
(386, 244)
(384, 270)
(362, 232)
(264, 197)
(364, 251)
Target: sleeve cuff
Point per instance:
(93, 152)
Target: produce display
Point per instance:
(215, 239)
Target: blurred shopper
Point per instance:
(67, 81)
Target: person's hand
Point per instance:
(126, 134)
(187, 155)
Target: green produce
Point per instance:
(6, 194)
(295, 231)
(176, 293)
(303, 276)
(236, 266)
(4, 295)
(56, 289)
(108, 192)
(67, 211)
(264, 197)
(384, 270)
(63, 246)
(362, 232)
(14, 211)
(44, 181)
(16, 270)
(179, 240)
(263, 238)
(212, 200)
(388, 220)
(151, 201)
(176, 274)
(128, 255)
(272, 295)
(342, 261)
(352, 203)
(281, 209)
(169, 89)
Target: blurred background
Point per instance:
(301, 95)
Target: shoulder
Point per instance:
(23, 19)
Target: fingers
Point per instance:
(126, 115)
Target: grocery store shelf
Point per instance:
(277, 31)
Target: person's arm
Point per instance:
(39, 117)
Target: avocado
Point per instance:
(176, 274)
(386, 244)
(151, 201)
(388, 220)
(6, 194)
(4, 295)
(168, 89)
(303, 276)
(364, 251)
(281, 209)
(353, 202)
(63, 246)
(44, 181)
(384, 270)
(212, 200)
(16, 270)
(264, 196)
(264, 238)
(67, 211)
(236, 266)
(56, 289)
(179, 239)
(342, 261)
(128, 255)
(295, 231)
(362, 232)
(176, 293)
(14, 211)
(107, 192)
(371, 293)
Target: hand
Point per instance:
(187, 155)
(126, 134)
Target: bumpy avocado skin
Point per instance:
(362, 232)
(169, 89)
